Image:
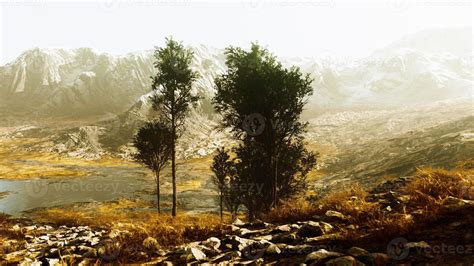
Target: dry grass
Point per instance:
(431, 186)
(9, 237)
(119, 215)
(17, 162)
(291, 211)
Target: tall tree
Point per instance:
(173, 99)
(261, 101)
(153, 150)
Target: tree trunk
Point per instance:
(222, 216)
(173, 164)
(158, 191)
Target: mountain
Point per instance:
(425, 67)
(84, 82)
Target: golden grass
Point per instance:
(8, 233)
(16, 162)
(431, 186)
(118, 215)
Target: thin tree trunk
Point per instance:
(173, 165)
(222, 216)
(158, 191)
(275, 183)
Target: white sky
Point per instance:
(286, 27)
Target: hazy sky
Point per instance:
(288, 28)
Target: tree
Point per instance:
(222, 167)
(153, 150)
(172, 83)
(261, 101)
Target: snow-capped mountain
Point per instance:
(421, 68)
(83, 81)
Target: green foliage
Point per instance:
(153, 145)
(173, 82)
(224, 179)
(261, 101)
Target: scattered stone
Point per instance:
(312, 229)
(287, 238)
(212, 242)
(238, 222)
(281, 229)
(320, 256)
(344, 261)
(273, 249)
(334, 216)
(197, 254)
(356, 251)
(378, 259)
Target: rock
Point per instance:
(16, 227)
(43, 238)
(351, 227)
(238, 243)
(356, 251)
(377, 259)
(299, 249)
(344, 261)
(255, 250)
(334, 216)
(312, 229)
(258, 224)
(229, 256)
(281, 229)
(263, 237)
(320, 256)
(273, 249)
(197, 254)
(212, 242)
(238, 222)
(287, 238)
(53, 262)
(250, 233)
